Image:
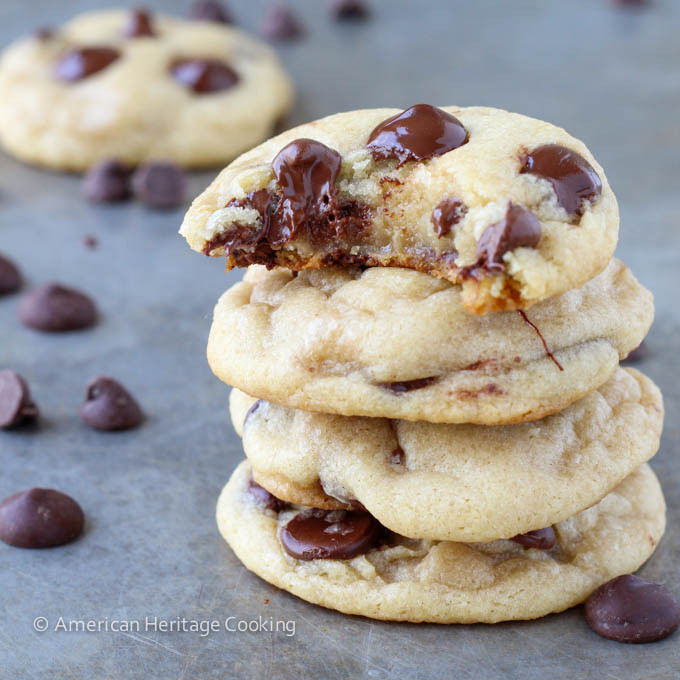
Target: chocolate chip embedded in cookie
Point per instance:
(139, 86)
(512, 208)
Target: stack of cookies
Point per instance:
(427, 367)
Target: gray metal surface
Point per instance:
(151, 548)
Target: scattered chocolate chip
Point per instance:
(204, 75)
(139, 24)
(349, 9)
(540, 539)
(109, 406)
(90, 242)
(10, 276)
(281, 23)
(330, 534)
(416, 134)
(573, 179)
(638, 354)
(40, 518)
(84, 62)
(446, 215)
(519, 228)
(159, 185)
(631, 4)
(107, 181)
(263, 497)
(629, 609)
(408, 385)
(210, 10)
(16, 405)
(54, 308)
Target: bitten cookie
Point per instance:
(456, 482)
(514, 209)
(138, 86)
(345, 562)
(395, 343)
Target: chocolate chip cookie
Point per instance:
(395, 343)
(342, 560)
(456, 482)
(512, 208)
(133, 85)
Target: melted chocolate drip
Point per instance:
(540, 335)
(573, 179)
(306, 172)
(416, 134)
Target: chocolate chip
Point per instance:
(54, 308)
(573, 179)
(109, 406)
(540, 539)
(252, 410)
(139, 24)
(519, 228)
(40, 518)
(84, 62)
(10, 276)
(408, 385)
(336, 534)
(204, 75)
(416, 134)
(107, 181)
(263, 497)
(159, 185)
(349, 9)
(629, 609)
(16, 405)
(446, 215)
(638, 354)
(306, 171)
(209, 10)
(90, 242)
(281, 23)
(398, 457)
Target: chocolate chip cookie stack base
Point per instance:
(447, 436)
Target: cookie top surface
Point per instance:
(138, 86)
(395, 343)
(514, 208)
(457, 482)
(447, 582)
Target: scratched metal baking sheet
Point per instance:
(151, 548)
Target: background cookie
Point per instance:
(458, 482)
(194, 92)
(512, 207)
(445, 582)
(396, 343)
